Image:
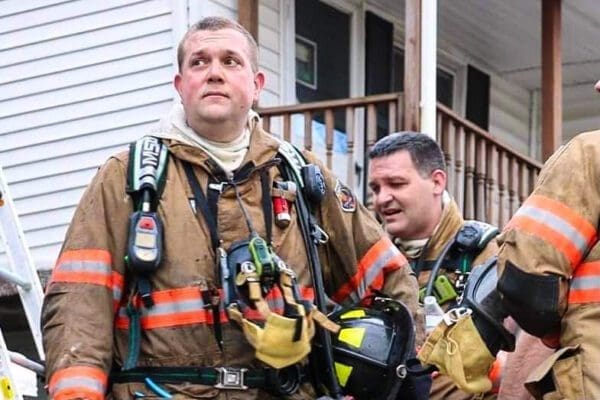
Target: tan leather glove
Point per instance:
(458, 351)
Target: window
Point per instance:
(306, 62)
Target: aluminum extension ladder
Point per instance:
(23, 274)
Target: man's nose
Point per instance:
(215, 72)
(382, 197)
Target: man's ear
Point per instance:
(439, 179)
(177, 83)
(259, 83)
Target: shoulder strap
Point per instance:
(147, 168)
(475, 235)
(294, 159)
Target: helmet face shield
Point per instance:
(371, 349)
(483, 298)
(482, 281)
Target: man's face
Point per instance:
(409, 204)
(216, 84)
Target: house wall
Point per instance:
(79, 80)
(581, 109)
(510, 113)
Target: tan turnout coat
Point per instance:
(556, 232)
(84, 321)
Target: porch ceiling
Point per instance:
(505, 36)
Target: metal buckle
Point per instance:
(319, 235)
(231, 378)
(454, 315)
(218, 186)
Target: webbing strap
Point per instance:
(134, 338)
(209, 206)
(267, 205)
(202, 204)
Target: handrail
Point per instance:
(483, 133)
(487, 178)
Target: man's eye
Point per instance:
(198, 61)
(231, 62)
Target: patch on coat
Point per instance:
(345, 196)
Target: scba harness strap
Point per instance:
(457, 256)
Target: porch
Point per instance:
(487, 178)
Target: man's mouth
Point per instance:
(214, 94)
(390, 213)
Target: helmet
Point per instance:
(371, 348)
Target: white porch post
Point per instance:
(428, 67)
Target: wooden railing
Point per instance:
(350, 118)
(488, 180)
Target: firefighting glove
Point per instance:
(457, 350)
(282, 341)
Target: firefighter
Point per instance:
(549, 274)
(407, 176)
(179, 277)
(546, 278)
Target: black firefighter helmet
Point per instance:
(371, 349)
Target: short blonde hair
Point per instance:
(216, 24)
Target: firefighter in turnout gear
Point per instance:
(546, 279)
(408, 180)
(549, 270)
(175, 277)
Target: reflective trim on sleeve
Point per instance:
(78, 382)
(585, 285)
(93, 266)
(381, 258)
(557, 224)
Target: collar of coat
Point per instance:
(263, 147)
(450, 224)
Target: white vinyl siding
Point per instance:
(79, 80)
(581, 109)
(509, 114)
(270, 52)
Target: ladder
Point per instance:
(23, 274)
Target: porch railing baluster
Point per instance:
(488, 179)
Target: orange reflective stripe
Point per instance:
(557, 224)
(556, 239)
(94, 255)
(118, 285)
(561, 210)
(585, 285)
(185, 306)
(381, 258)
(84, 266)
(174, 307)
(78, 382)
(91, 266)
(495, 374)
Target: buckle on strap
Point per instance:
(231, 378)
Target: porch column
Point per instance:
(551, 77)
(428, 67)
(412, 65)
(248, 16)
